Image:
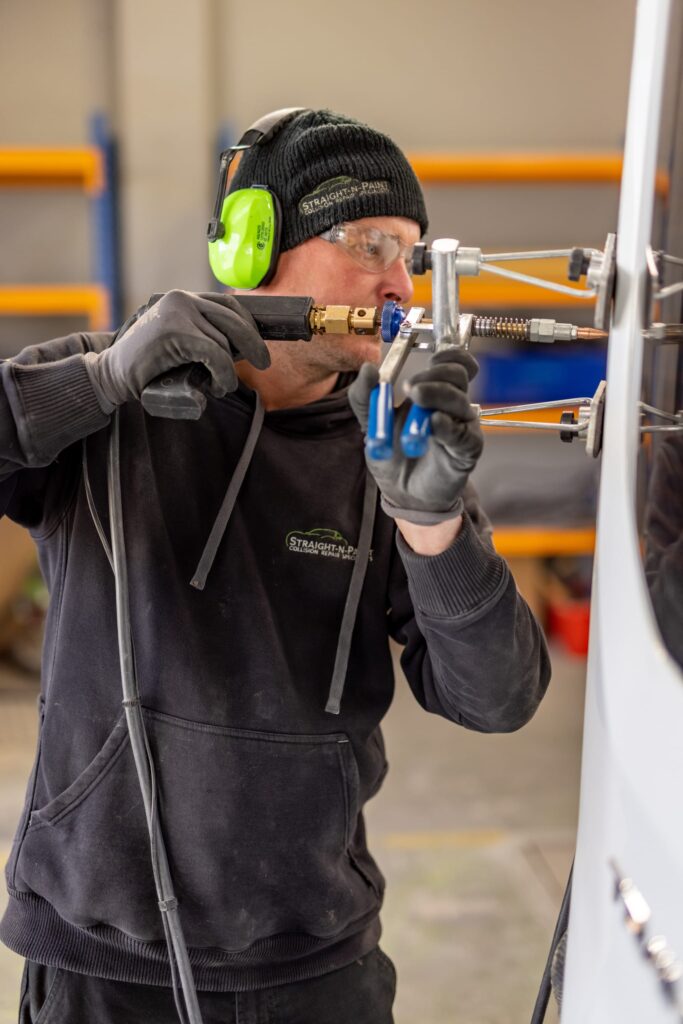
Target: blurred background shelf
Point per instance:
(88, 169)
(542, 542)
(523, 168)
(49, 168)
(92, 301)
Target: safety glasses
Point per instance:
(372, 249)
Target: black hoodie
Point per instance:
(260, 790)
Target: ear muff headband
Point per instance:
(244, 232)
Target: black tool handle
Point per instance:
(280, 317)
(180, 394)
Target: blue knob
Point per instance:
(393, 316)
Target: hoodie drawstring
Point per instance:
(198, 580)
(353, 597)
(360, 566)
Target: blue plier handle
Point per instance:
(396, 328)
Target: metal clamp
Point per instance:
(587, 425)
(379, 442)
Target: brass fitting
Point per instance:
(344, 320)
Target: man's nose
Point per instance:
(396, 284)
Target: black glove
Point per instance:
(427, 490)
(176, 329)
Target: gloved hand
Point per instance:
(176, 329)
(427, 490)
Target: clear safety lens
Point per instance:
(373, 249)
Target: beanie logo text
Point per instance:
(338, 190)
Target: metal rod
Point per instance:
(666, 333)
(662, 430)
(672, 259)
(493, 257)
(570, 428)
(671, 289)
(555, 404)
(564, 289)
(651, 260)
(520, 329)
(660, 412)
(444, 291)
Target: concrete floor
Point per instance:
(474, 833)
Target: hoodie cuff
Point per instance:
(421, 518)
(54, 405)
(460, 580)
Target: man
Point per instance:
(247, 535)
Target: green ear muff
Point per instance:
(245, 227)
(246, 255)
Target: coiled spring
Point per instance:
(500, 327)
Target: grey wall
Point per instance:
(453, 74)
(56, 66)
(536, 74)
(166, 126)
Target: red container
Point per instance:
(568, 622)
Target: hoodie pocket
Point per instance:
(11, 865)
(257, 827)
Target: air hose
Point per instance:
(168, 904)
(560, 929)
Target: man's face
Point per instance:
(327, 273)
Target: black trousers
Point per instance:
(362, 993)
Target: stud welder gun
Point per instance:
(180, 394)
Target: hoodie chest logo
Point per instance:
(322, 542)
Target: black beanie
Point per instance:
(326, 169)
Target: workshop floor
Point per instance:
(474, 833)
